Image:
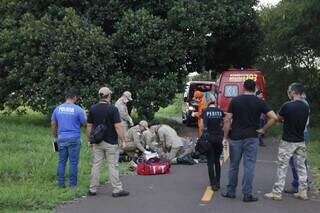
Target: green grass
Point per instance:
(28, 166)
(175, 109)
(165, 115)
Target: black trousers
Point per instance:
(213, 163)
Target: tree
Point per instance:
(43, 57)
(147, 47)
(216, 34)
(147, 53)
(290, 49)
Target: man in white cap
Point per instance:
(121, 104)
(105, 113)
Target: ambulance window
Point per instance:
(231, 91)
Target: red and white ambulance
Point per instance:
(230, 84)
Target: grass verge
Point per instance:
(173, 109)
(28, 166)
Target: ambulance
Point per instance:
(230, 84)
(190, 106)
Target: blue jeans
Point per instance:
(295, 181)
(68, 149)
(248, 149)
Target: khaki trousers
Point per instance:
(109, 152)
(286, 151)
(176, 152)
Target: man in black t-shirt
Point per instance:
(243, 118)
(294, 115)
(104, 112)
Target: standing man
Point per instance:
(66, 123)
(295, 182)
(294, 115)
(198, 97)
(104, 112)
(243, 118)
(121, 104)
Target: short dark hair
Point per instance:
(249, 85)
(297, 88)
(71, 93)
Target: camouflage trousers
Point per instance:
(286, 151)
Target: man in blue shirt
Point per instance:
(66, 122)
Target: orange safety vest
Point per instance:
(202, 105)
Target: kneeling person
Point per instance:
(134, 139)
(149, 140)
(170, 142)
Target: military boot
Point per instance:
(301, 195)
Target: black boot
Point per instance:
(249, 198)
(216, 184)
(228, 195)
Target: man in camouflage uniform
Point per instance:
(294, 115)
(134, 139)
(121, 104)
(173, 146)
(149, 140)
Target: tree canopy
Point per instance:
(290, 49)
(147, 47)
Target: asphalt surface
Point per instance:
(182, 189)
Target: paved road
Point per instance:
(182, 189)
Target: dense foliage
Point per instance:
(290, 50)
(147, 47)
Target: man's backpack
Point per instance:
(97, 133)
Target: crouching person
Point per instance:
(105, 112)
(149, 140)
(171, 144)
(134, 139)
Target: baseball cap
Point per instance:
(128, 95)
(105, 91)
(144, 124)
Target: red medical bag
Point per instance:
(153, 167)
